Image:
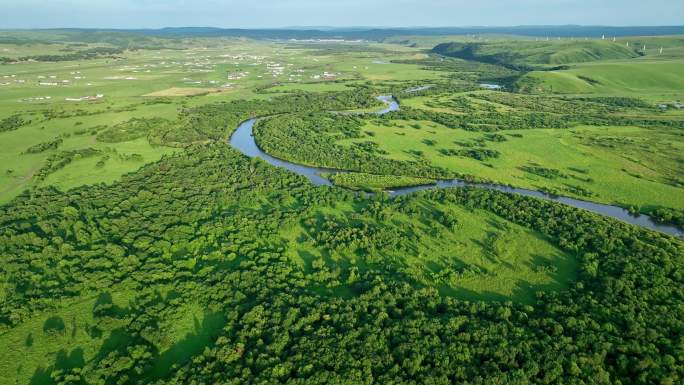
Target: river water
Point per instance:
(243, 140)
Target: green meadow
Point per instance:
(478, 257)
(72, 336)
(657, 80)
(150, 83)
(616, 165)
(525, 52)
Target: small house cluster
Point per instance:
(664, 106)
(326, 76)
(85, 98)
(36, 99)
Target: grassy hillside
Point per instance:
(673, 46)
(524, 54)
(647, 78)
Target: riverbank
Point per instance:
(243, 140)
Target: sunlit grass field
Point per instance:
(71, 336)
(635, 172)
(649, 78)
(483, 258)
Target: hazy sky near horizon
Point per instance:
(381, 13)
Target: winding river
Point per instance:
(243, 140)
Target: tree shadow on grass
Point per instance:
(63, 361)
(432, 267)
(561, 268)
(194, 343)
(41, 377)
(54, 325)
(71, 360)
(471, 295)
(527, 292)
(308, 259)
(105, 306)
(487, 246)
(118, 339)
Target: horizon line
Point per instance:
(330, 27)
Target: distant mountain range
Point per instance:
(369, 33)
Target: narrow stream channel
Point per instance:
(243, 141)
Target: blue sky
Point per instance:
(280, 13)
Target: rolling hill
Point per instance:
(528, 54)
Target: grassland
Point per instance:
(180, 91)
(534, 53)
(653, 79)
(72, 336)
(150, 83)
(617, 165)
(76, 133)
(480, 256)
